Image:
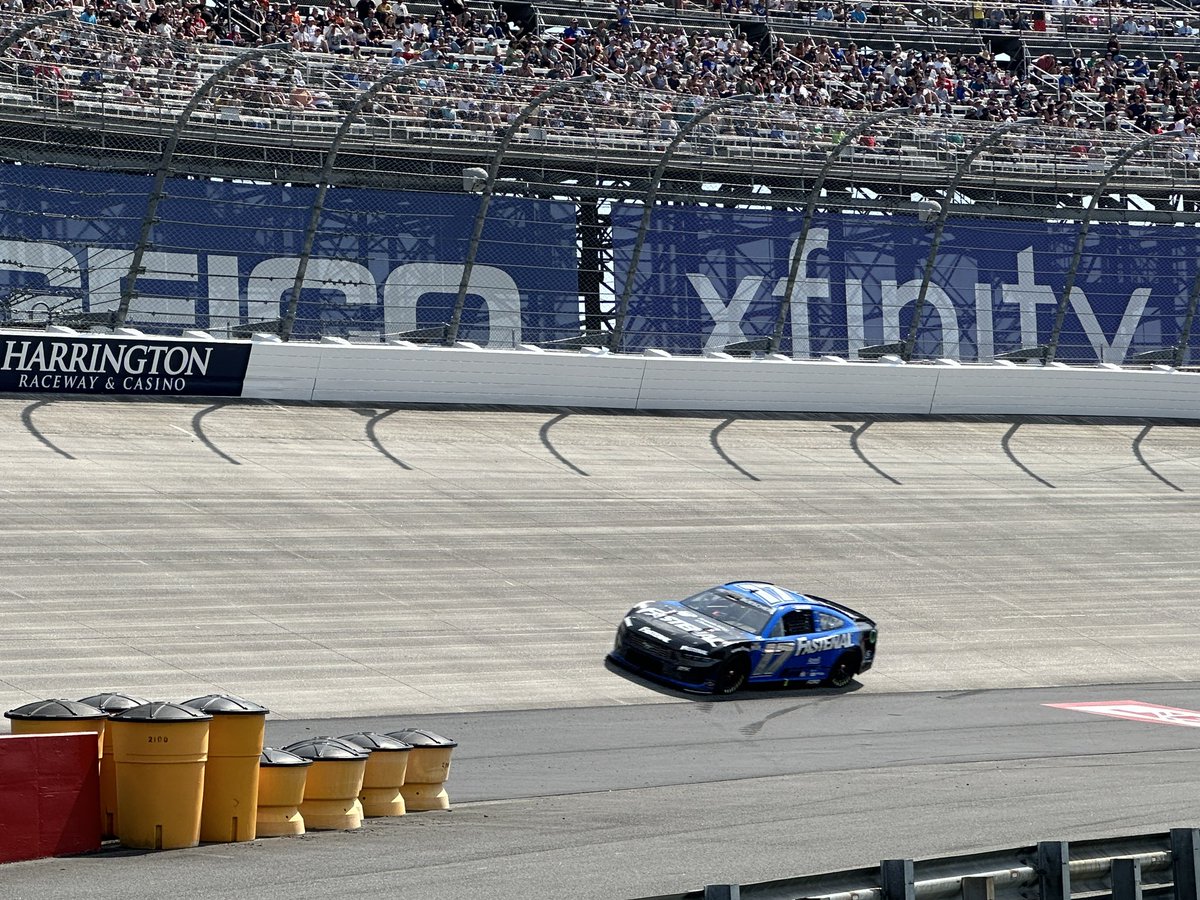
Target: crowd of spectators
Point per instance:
(482, 67)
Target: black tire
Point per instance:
(731, 676)
(843, 670)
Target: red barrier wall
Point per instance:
(49, 795)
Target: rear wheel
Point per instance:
(843, 670)
(731, 676)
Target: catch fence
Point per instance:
(310, 195)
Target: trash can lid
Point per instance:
(323, 747)
(56, 709)
(272, 757)
(373, 740)
(420, 737)
(113, 702)
(225, 704)
(161, 711)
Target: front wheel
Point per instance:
(843, 671)
(731, 677)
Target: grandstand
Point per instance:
(1083, 80)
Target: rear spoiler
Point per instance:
(840, 607)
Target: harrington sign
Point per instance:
(88, 364)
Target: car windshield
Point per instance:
(730, 609)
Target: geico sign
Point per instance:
(268, 286)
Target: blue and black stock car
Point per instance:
(745, 632)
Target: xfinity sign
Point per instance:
(709, 277)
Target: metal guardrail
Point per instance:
(1140, 867)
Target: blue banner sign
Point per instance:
(224, 254)
(711, 277)
(91, 364)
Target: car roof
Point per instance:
(769, 594)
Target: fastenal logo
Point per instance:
(100, 365)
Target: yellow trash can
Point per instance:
(428, 768)
(281, 781)
(160, 750)
(386, 767)
(235, 741)
(59, 717)
(110, 704)
(333, 784)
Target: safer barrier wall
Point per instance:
(335, 371)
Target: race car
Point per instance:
(745, 632)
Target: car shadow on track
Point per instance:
(753, 692)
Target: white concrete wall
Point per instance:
(1068, 392)
(383, 374)
(407, 374)
(282, 371)
(785, 386)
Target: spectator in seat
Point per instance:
(1066, 82)
(1189, 145)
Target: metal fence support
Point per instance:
(1185, 861)
(164, 166)
(978, 887)
(310, 233)
(919, 308)
(1126, 879)
(1061, 311)
(618, 330)
(1054, 870)
(489, 188)
(810, 207)
(897, 880)
(1189, 318)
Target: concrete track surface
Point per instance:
(416, 564)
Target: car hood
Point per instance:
(677, 626)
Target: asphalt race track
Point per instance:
(464, 569)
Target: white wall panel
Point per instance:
(786, 386)
(282, 371)
(1068, 392)
(436, 375)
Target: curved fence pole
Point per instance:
(489, 188)
(618, 331)
(310, 232)
(1185, 330)
(164, 166)
(989, 140)
(1085, 223)
(810, 208)
(45, 19)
